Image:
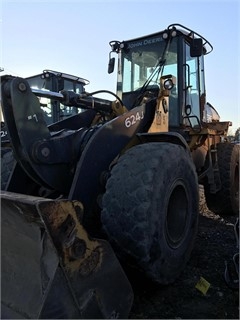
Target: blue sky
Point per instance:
(73, 37)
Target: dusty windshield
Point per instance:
(143, 60)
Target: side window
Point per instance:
(127, 72)
(67, 111)
(192, 97)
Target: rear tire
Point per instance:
(226, 200)
(150, 209)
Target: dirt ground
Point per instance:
(216, 243)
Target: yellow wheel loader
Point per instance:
(117, 181)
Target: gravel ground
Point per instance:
(216, 243)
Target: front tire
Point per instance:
(150, 209)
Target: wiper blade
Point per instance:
(157, 68)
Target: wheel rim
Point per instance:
(177, 215)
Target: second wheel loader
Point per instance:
(126, 171)
(53, 110)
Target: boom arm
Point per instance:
(65, 161)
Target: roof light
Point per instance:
(45, 75)
(165, 35)
(173, 32)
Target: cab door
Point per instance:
(194, 89)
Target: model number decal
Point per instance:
(33, 117)
(3, 133)
(133, 119)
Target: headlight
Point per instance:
(168, 84)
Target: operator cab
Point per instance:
(55, 81)
(143, 62)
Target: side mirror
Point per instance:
(111, 65)
(196, 47)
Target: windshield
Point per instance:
(147, 60)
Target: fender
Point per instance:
(103, 147)
(171, 137)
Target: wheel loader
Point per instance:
(114, 185)
(53, 110)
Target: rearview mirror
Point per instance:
(196, 47)
(111, 65)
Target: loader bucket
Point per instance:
(52, 269)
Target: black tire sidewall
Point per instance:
(141, 232)
(171, 260)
